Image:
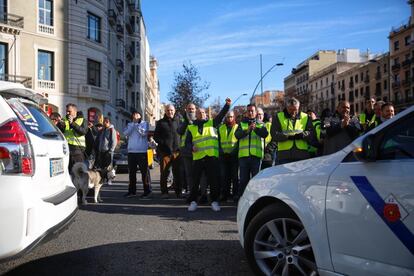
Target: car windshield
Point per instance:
(34, 119)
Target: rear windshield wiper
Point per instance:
(51, 134)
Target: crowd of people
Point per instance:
(221, 153)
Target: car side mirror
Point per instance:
(367, 152)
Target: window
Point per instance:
(94, 27)
(94, 73)
(46, 12)
(385, 85)
(45, 65)
(3, 59)
(385, 68)
(407, 40)
(356, 78)
(396, 45)
(398, 141)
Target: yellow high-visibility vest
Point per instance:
(228, 141)
(286, 125)
(268, 137)
(207, 142)
(70, 134)
(251, 145)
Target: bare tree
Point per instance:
(188, 88)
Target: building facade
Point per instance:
(91, 53)
(401, 41)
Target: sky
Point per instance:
(224, 39)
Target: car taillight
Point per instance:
(15, 151)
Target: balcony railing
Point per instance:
(396, 67)
(47, 29)
(12, 20)
(93, 92)
(119, 65)
(396, 85)
(120, 103)
(112, 17)
(132, 5)
(406, 63)
(45, 84)
(406, 82)
(26, 81)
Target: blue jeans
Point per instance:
(249, 167)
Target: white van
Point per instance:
(37, 197)
(348, 213)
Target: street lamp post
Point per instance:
(244, 94)
(264, 75)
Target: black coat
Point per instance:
(166, 135)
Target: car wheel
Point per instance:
(276, 243)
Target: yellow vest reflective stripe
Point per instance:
(70, 134)
(251, 145)
(228, 141)
(268, 137)
(373, 121)
(207, 142)
(287, 127)
(317, 126)
(183, 137)
(362, 118)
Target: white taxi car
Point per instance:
(348, 213)
(37, 197)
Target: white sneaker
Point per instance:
(192, 207)
(215, 206)
(110, 182)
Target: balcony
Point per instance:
(120, 5)
(93, 92)
(128, 27)
(46, 29)
(406, 63)
(133, 7)
(130, 80)
(112, 17)
(396, 85)
(119, 65)
(45, 84)
(11, 23)
(366, 79)
(130, 53)
(396, 67)
(120, 103)
(26, 81)
(378, 76)
(406, 82)
(119, 30)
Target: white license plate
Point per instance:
(122, 162)
(56, 166)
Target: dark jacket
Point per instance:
(166, 135)
(216, 122)
(336, 137)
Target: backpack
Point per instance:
(118, 136)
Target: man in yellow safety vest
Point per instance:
(74, 128)
(292, 130)
(229, 164)
(202, 134)
(251, 134)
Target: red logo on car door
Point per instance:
(391, 212)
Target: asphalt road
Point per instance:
(131, 236)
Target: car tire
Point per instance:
(271, 250)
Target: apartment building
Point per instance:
(270, 101)
(307, 68)
(322, 86)
(33, 45)
(401, 41)
(289, 85)
(152, 105)
(92, 53)
(363, 81)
